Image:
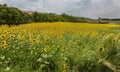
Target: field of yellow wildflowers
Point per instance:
(60, 47)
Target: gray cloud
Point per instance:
(85, 8)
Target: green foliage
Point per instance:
(50, 17)
(13, 16)
(51, 48)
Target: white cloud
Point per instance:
(86, 8)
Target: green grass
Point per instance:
(59, 47)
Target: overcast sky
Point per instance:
(82, 8)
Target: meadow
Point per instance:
(60, 47)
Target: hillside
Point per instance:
(29, 12)
(81, 19)
(107, 20)
(14, 16)
(89, 20)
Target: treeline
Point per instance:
(114, 19)
(11, 15)
(50, 17)
(14, 16)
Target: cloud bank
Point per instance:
(84, 8)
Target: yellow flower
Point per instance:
(53, 41)
(4, 43)
(64, 48)
(110, 42)
(46, 37)
(5, 46)
(101, 49)
(61, 38)
(6, 32)
(64, 67)
(12, 36)
(47, 49)
(2, 36)
(115, 39)
(33, 40)
(78, 41)
(21, 37)
(39, 33)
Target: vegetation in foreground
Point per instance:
(60, 47)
